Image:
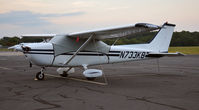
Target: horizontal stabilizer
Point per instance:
(165, 54)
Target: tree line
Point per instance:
(183, 38)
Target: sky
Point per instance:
(18, 17)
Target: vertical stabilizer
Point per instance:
(162, 40)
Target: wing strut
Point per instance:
(81, 47)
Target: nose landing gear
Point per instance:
(40, 75)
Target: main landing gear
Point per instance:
(40, 75)
(90, 74)
(91, 78)
(64, 74)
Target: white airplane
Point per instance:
(83, 49)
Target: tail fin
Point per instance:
(162, 40)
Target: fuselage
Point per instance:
(42, 54)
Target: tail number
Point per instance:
(132, 54)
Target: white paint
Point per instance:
(92, 73)
(43, 54)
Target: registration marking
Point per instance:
(132, 55)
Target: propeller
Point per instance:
(20, 47)
(25, 48)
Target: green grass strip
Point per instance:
(192, 50)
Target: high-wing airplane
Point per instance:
(83, 49)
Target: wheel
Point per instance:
(64, 74)
(90, 78)
(40, 76)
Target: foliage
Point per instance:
(7, 41)
(10, 41)
(184, 38)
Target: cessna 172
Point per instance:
(83, 49)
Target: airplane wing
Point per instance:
(165, 54)
(115, 32)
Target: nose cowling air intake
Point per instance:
(20, 47)
(25, 48)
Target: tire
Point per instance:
(40, 76)
(90, 78)
(64, 74)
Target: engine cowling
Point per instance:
(92, 73)
(62, 70)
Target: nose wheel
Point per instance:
(40, 75)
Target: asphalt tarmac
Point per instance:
(139, 85)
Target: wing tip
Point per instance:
(169, 24)
(147, 25)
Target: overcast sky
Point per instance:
(19, 17)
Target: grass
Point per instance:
(192, 50)
(5, 50)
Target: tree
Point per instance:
(184, 38)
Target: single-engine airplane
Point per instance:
(83, 49)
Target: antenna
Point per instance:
(115, 42)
